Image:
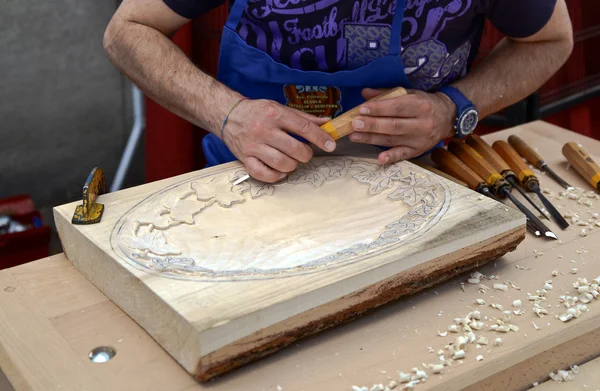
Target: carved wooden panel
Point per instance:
(208, 228)
(222, 274)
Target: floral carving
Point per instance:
(148, 244)
(153, 242)
(309, 173)
(219, 189)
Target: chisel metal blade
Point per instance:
(516, 186)
(555, 213)
(531, 227)
(555, 176)
(530, 216)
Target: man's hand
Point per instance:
(411, 124)
(257, 134)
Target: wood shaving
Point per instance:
(522, 267)
(517, 304)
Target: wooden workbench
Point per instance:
(51, 317)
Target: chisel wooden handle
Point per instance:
(488, 153)
(455, 167)
(478, 164)
(582, 162)
(342, 126)
(526, 151)
(526, 177)
(446, 175)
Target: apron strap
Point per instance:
(236, 13)
(396, 28)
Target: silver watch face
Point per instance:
(468, 121)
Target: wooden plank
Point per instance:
(139, 363)
(33, 354)
(275, 264)
(588, 378)
(49, 274)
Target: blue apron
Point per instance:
(254, 74)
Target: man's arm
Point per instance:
(136, 41)
(414, 123)
(518, 67)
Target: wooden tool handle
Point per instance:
(475, 161)
(443, 174)
(455, 167)
(485, 150)
(583, 163)
(516, 163)
(526, 151)
(342, 126)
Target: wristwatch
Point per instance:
(467, 115)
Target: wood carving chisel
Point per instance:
(488, 153)
(440, 173)
(583, 163)
(527, 178)
(535, 159)
(342, 126)
(497, 183)
(454, 166)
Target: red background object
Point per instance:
(29, 245)
(201, 40)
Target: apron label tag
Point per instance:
(316, 100)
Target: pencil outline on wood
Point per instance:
(427, 197)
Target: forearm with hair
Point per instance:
(166, 75)
(513, 71)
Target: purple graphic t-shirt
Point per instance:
(439, 38)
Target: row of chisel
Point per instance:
(494, 170)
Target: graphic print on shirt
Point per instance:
(427, 61)
(332, 35)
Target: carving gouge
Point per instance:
(454, 166)
(498, 164)
(497, 183)
(535, 160)
(583, 163)
(527, 178)
(342, 126)
(440, 173)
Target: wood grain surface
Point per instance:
(255, 271)
(72, 313)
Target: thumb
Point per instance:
(370, 93)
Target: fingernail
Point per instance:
(355, 136)
(386, 160)
(329, 146)
(327, 118)
(358, 124)
(283, 175)
(364, 110)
